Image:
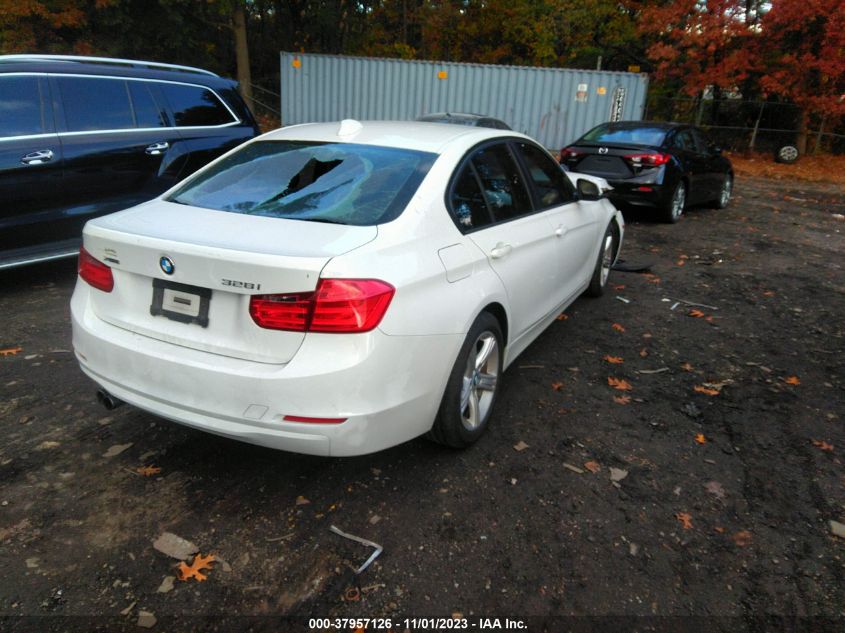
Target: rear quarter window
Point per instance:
(195, 106)
(22, 107)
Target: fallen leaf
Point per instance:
(769, 293)
(617, 474)
(148, 471)
(792, 380)
(706, 390)
(116, 450)
(622, 399)
(643, 352)
(715, 489)
(619, 287)
(742, 538)
(823, 445)
(618, 327)
(10, 351)
(685, 518)
(302, 501)
(520, 446)
(195, 569)
(719, 529)
(699, 437)
(557, 386)
(686, 367)
(654, 280)
(618, 383)
(695, 313)
(562, 317)
(593, 467)
(614, 360)
(680, 262)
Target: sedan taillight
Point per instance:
(337, 305)
(94, 272)
(648, 160)
(568, 153)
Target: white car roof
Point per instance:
(421, 136)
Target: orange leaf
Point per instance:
(719, 529)
(706, 390)
(686, 367)
(614, 360)
(792, 380)
(654, 280)
(622, 399)
(557, 386)
(685, 518)
(742, 538)
(699, 437)
(823, 445)
(195, 569)
(769, 293)
(618, 327)
(619, 287)
(618, 383)
(593, 467)
(562, 317)
(10, 351)
(148, 471)
(696, 313)
(643, 352)
(680, 262)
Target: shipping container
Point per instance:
(553, 105)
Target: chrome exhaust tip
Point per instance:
(107, 400)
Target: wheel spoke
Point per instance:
(488, 345)
(471, 416)
(466, 391)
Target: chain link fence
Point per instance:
(741, 126)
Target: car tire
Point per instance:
(601, 272)
(787, 154)
(471, 392)
(725, 192)
(673, 209)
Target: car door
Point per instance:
(575, 223)
(490, 202)
(711, 174)
(694, 165)
(119, 147)
(30, 164)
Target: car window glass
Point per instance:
(684, 140)
(337, 183)
(21, 107)
(609, 133)
(552, 185)
(500, 180)
(702, 145)
(95, 104)
(195, 106)
(146, 110)
(467, 203)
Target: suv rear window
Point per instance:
(340, 183)
(21, 107)
(196, 106)
(637, 135)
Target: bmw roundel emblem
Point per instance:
(167, 265)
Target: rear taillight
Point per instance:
(567, 153)
(95, 272)
(337, 305)
(648, 160)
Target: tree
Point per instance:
(802, 56)
(46, 25)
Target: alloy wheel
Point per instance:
(479, 381)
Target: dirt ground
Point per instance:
(696, 493)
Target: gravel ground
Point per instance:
(697, 491)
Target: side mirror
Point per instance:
(587, 189)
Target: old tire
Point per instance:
(472, 387)
(603, 264)
(787, 154)
(674, 208)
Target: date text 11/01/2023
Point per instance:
(416, 624)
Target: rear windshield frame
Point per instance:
(365, 162)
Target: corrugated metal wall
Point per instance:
(553, 105)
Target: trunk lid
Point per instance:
(609, 164)
(219, 260)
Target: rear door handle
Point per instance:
(500, 250)
(560, 231)
(157, 148)
(37, 158)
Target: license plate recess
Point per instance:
(180, 302)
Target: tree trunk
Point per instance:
(801, 138)
(242, 53)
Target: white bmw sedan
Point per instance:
(339, 288)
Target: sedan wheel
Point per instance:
(603, 265)
(473, 384)
(725, 193)
(673, 211)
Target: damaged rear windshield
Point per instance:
(340, 183)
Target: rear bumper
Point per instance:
(637, 194)
(387, 387)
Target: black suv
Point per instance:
(85, 136)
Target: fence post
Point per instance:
(756, 127)
(819, 135)
(700, 112)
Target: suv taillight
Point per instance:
(337, 305)
(95, 272)
(648, 160)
